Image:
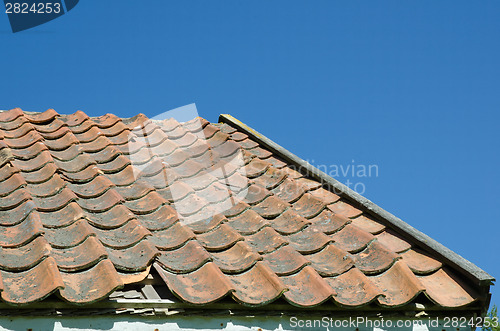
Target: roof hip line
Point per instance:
(469, 269)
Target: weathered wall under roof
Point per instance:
(198, 323)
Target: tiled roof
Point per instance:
(90, 204)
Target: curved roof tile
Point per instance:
(90, 204)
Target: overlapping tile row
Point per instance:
(90, 204)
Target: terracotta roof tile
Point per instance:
(446, 291)
(398, 284)
(393, 242)
(24, 257)
(353, 288)
(329, 222)
(48, 188)
(420, 263)
(257, 286)
(309, 240)
(343, 208)
(187, 258)
(92, 284)
(247, 222)
(285, 261)
(69, 236)
(18, 286)
(309, 206)
(22, 233)
(367, 224)
(12, 183)
(330, 261)
(221, 238)
(205, 285)
(62, 217)
(238, 258)
(289, 190)
(159, 219)
(289, 222)
(90, 204)
(307, 288)
(79, 257)
(270, 207)
(135, 258)
(351, 238)
(266, 240)
(172, 237)
(375, 258)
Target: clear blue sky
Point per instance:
(411, 86)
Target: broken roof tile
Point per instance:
(206, 220)
(248, 222)
(18, 214)
(255, 194)
(276, 162)
(271, 178)
(308, 184)
(48, 188)
(13, 183)
(261, 153)
(256, 167)
(62, 217)
(124, 236)
(160, 219)
(22, 233)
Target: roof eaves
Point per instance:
(470, 270)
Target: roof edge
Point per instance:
(469, 269)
